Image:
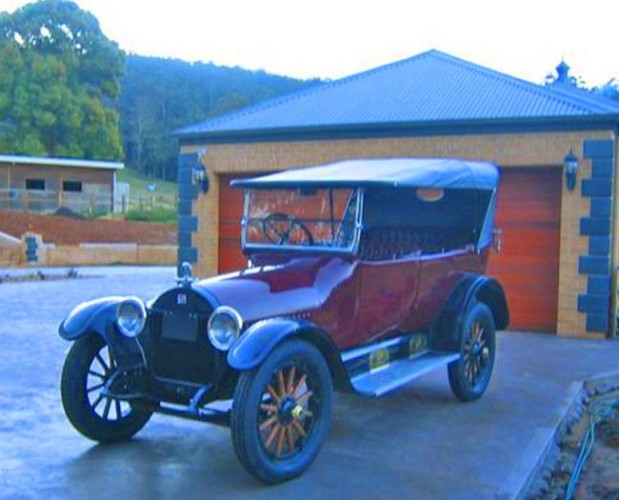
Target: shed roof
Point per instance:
(396, 172)
(60, 162)
(430, 88)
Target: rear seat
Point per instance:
(389, 243)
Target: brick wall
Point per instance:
(49, 254)
(506, 150)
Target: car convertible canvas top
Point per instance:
(395, 172)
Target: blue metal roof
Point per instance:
(432, 87)
(396, 172)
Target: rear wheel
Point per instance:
(282, 412)
(88, 367)
(470, 375)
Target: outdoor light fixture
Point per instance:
(570, 167)
(199, 176)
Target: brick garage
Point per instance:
(559, 245)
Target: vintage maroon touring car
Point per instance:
(362, 275)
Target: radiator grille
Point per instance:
(179, 348)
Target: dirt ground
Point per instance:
(599, 478)
(72, 231)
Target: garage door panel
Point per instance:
(539, 250)
(537, 306)
(532, 213)
(528, 213)
(230, 212)
(523, 264)
(538, 242)
(526, 256)
(522, 286)
(530, 312)
(229, 230)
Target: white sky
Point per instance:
(335, 38)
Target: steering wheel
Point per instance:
(278, 228)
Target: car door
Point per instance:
(389, 289)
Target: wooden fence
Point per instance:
(82, 203)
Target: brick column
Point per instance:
(187, 222)
(597, 226)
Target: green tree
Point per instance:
(228, 103)
(59, 76)
(161, 95)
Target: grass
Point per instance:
(139, 182)
(157, 204)
(156, 214)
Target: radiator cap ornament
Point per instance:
(185, 277)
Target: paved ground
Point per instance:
(420, 442)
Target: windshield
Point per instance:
(300, 218)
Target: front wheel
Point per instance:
(88, 367)
(470, 375)
(281, 412)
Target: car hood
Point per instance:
(299, 285)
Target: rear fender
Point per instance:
(472, 288)
(99, 316)
(259, 340)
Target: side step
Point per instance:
(385, 379)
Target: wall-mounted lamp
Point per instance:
(199, 177)
(570, 167)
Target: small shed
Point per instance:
(556, 147)
(40, 184)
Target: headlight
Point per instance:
(131, 317)
(224, 327)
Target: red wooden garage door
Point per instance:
(230, 211)
(528, 264)
(527, 267)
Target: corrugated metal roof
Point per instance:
(60, 162)
(430, 87)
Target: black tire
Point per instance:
(88, 366)
(282, 412)
(470, 375)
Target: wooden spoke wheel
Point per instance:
(470, 375)
(285, 417)
(281, 412)
(87, 369)
(476, 353)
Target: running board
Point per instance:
(378, 382)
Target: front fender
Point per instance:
(99, 316)
(93, 315)
(262, 337)
(259, 340)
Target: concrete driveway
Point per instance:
(419, 442)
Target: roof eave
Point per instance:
(60, 162)
(422, 128)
